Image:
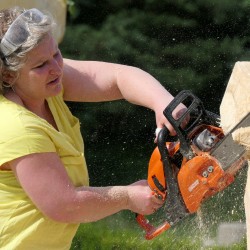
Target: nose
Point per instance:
(55, 67)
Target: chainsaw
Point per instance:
(197, 163)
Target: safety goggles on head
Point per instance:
(18, 32)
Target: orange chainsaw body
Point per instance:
(198, 178)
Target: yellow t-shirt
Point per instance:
(22, 225)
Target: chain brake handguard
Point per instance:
(195, 113)
(174, 206)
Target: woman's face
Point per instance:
(41, 75)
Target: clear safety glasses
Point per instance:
(18, 32)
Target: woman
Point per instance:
(44, 187)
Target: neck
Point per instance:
(42, 109)
(38, 107)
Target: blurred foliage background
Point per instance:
(185, 45)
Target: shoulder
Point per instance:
(90, 81)
(22, 132)
(86, 69)
(18, 121)
(11, 96)
(11, 111)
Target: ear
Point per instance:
(9, 77)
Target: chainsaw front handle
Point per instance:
(158, 188)
(151, 231)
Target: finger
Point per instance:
(170, 128)
(156, 207)
(158, 204)
(157, 199)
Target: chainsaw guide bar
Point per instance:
(227, 151)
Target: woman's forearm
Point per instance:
(92, 204)
(88, 204)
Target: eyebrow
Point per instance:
(43, 59)
(37, 61)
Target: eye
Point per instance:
(57, 54)
(41, 65)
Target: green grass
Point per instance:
(116, 235)
(118, 232)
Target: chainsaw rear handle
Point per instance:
(151, 231)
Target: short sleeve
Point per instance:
(29, 142)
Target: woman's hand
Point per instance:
(161, 120)
(141, 199)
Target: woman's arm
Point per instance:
(89, 81)
(44, 179)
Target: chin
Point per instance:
(55, 90)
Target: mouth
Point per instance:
(55, 81)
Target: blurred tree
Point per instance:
(184, 44)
